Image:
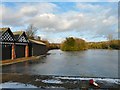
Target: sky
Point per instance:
(91, 21)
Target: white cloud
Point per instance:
(28, 10)
(56, 40)
(87, 6)
(37, 8)
(110, 21)
(96, 18)
(24, 12)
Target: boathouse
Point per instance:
(37, 48)
(17, 45)
(21, 44)
(7, 47)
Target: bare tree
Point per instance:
(110, 37)
(31, 31)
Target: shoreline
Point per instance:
(19, 60)
(46, 81)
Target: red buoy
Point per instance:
(92, 82)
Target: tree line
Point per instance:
(113, 44)
(74, 44)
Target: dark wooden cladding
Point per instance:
(6, 51)
(20, 51)
(0, 52)
(37, 49)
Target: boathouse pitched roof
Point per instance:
(2, 30)
(20, 36)
(6, 35)
(17, 34)
(36, 41)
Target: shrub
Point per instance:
(73, 44)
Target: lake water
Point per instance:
(88, 63)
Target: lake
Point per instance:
(88, 63)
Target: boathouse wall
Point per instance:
(37, 49)
(0, 52)
(6, 51)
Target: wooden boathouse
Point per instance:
(21, 44)
(17, 45)
(6, 44)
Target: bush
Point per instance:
(73, 44)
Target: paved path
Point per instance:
(8, 62)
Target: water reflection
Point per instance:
(26, 64)
(89, 63)
(13, 68)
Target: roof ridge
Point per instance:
(4, 28)
(18, 32)
(36, 41)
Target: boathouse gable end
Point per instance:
(23, 38)
(6, 35)
(20, 37)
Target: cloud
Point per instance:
(19, 16)
(96, 19)
(87, 6)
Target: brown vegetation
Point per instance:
(113, 44)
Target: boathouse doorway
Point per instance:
(20, 51)
(6, 51)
